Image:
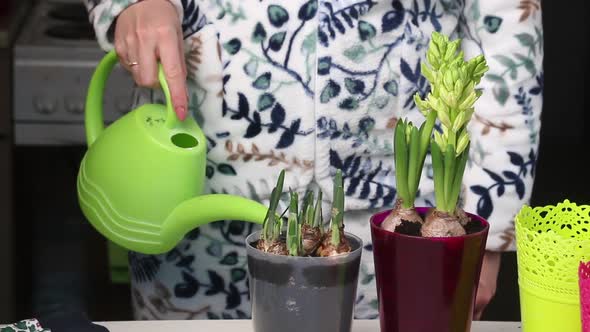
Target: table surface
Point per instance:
(246, 326)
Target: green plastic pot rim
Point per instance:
(378, 228)
(256, 236)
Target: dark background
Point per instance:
(561, 174)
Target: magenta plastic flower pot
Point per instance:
(426, 284)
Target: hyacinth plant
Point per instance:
(451, 100)
(304, 235)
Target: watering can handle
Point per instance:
(93, 121)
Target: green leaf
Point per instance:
(259, 33)
(349, 103)
(380, 101)
(391, 87)
(263, 81)
(331, 90)
(308, 10)
(501, 92)
(230, 259)
(366, 30)
(233, 46)
(374, 304)
(355, 53)
(495, 78)
(265, 101)
(309, 42)
(277, 15)
(414, 169)
(474, 11)
(367, 279)
(276, 41)
(214, 249)
(226, 169)
(438, 174)
(526, 39)
(459, 171)
(401, 160)
(209, 171)
(513, 73)
(492, 23)
(251, 67)
(293, 227)
(528, 63)
(506, 61)
(539, 34)
(449, 167)
(236, 227)
(253, 194)
(354, 86)
(238, 274)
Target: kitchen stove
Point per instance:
(54, 58)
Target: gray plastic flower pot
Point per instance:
(295, 294)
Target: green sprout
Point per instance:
(272, 225)
(304, 234)
(307, 209)
(337, 209)
(452, 98)
(317, 213)
(294, 244)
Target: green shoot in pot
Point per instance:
(311, 229)
(335, 243)
(317, 213)
(305, 235)
(306, 215)
(270, 240)
(294, 227)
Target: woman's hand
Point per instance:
(487, 282)
(145, 33)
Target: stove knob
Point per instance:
(44, 105)
(74, 105)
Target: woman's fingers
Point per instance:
(172, 60)
(148, 66)
(149, 32)
(131, 58)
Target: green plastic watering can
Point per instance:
(140, 182)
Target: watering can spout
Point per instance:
(204, 209)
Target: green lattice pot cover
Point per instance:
(551, 241)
